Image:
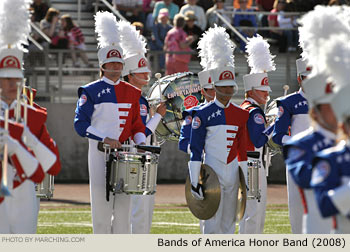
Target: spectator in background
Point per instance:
(205, 4)
(173, 9)
(177, 40)
(212, 18)
(51, 26)
(288, 22)
(273, 22)
(131, 10)
(193, 30)
(160, 30)
(198, 11)
(76, 40)
(179, 3)
(245, 20)
(236, 4)
(266, 6)
(39, 9)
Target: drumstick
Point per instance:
(285, 87)
(158, 76)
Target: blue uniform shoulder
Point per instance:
(90, 87)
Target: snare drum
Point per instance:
(134, 173)
(253, 179)
(45, 189)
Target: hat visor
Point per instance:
(305, 73)
(225, 83)
(208, 86)
(11, 73)
(112, 59)
(322, 100)
(263, 88)
(141, 70)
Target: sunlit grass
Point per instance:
(167, 219)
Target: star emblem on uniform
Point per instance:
(99, 95)
(108, 90)
(347, 157)
(300, 104)
(218, 112)
(305, 102)
(208, 118)
(213, 115)
(103, 91)
(327, 141)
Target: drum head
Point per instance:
(204, 209)
(180, 91)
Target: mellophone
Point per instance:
(130, 172)
(253, 175)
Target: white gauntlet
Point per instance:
(44, 155)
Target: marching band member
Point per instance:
(136, 72)
(300, 149)
(311, 37)
(331, 173)
(292, 119)
(11, 74)
(108, 110)
(257, 90)
(207, 90)
(219, 129)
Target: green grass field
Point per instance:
(167, 219)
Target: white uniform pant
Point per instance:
(108, 217)
(141, 213)
(18, 212)
(343, 225)
(254, 218)
(224, 220)
(295, 206)
(313, 222)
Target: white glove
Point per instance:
(194, 170)
(12, 144)
(197, 192)
(44, 155)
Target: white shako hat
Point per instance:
(220, 57)
(260, 61)
(318, 90)
(108, 37)
(14, 31)
(340, 104)
(329, 55)
(302, 67)
(205, 79)
(134, 47)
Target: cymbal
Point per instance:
(206, 208)
(241, 196)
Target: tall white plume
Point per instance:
(219, 48)
(14, 22)
(132, 41)
(335, 56)
(203, 50)
(260, 59)
(107, 29)
(318, 26)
